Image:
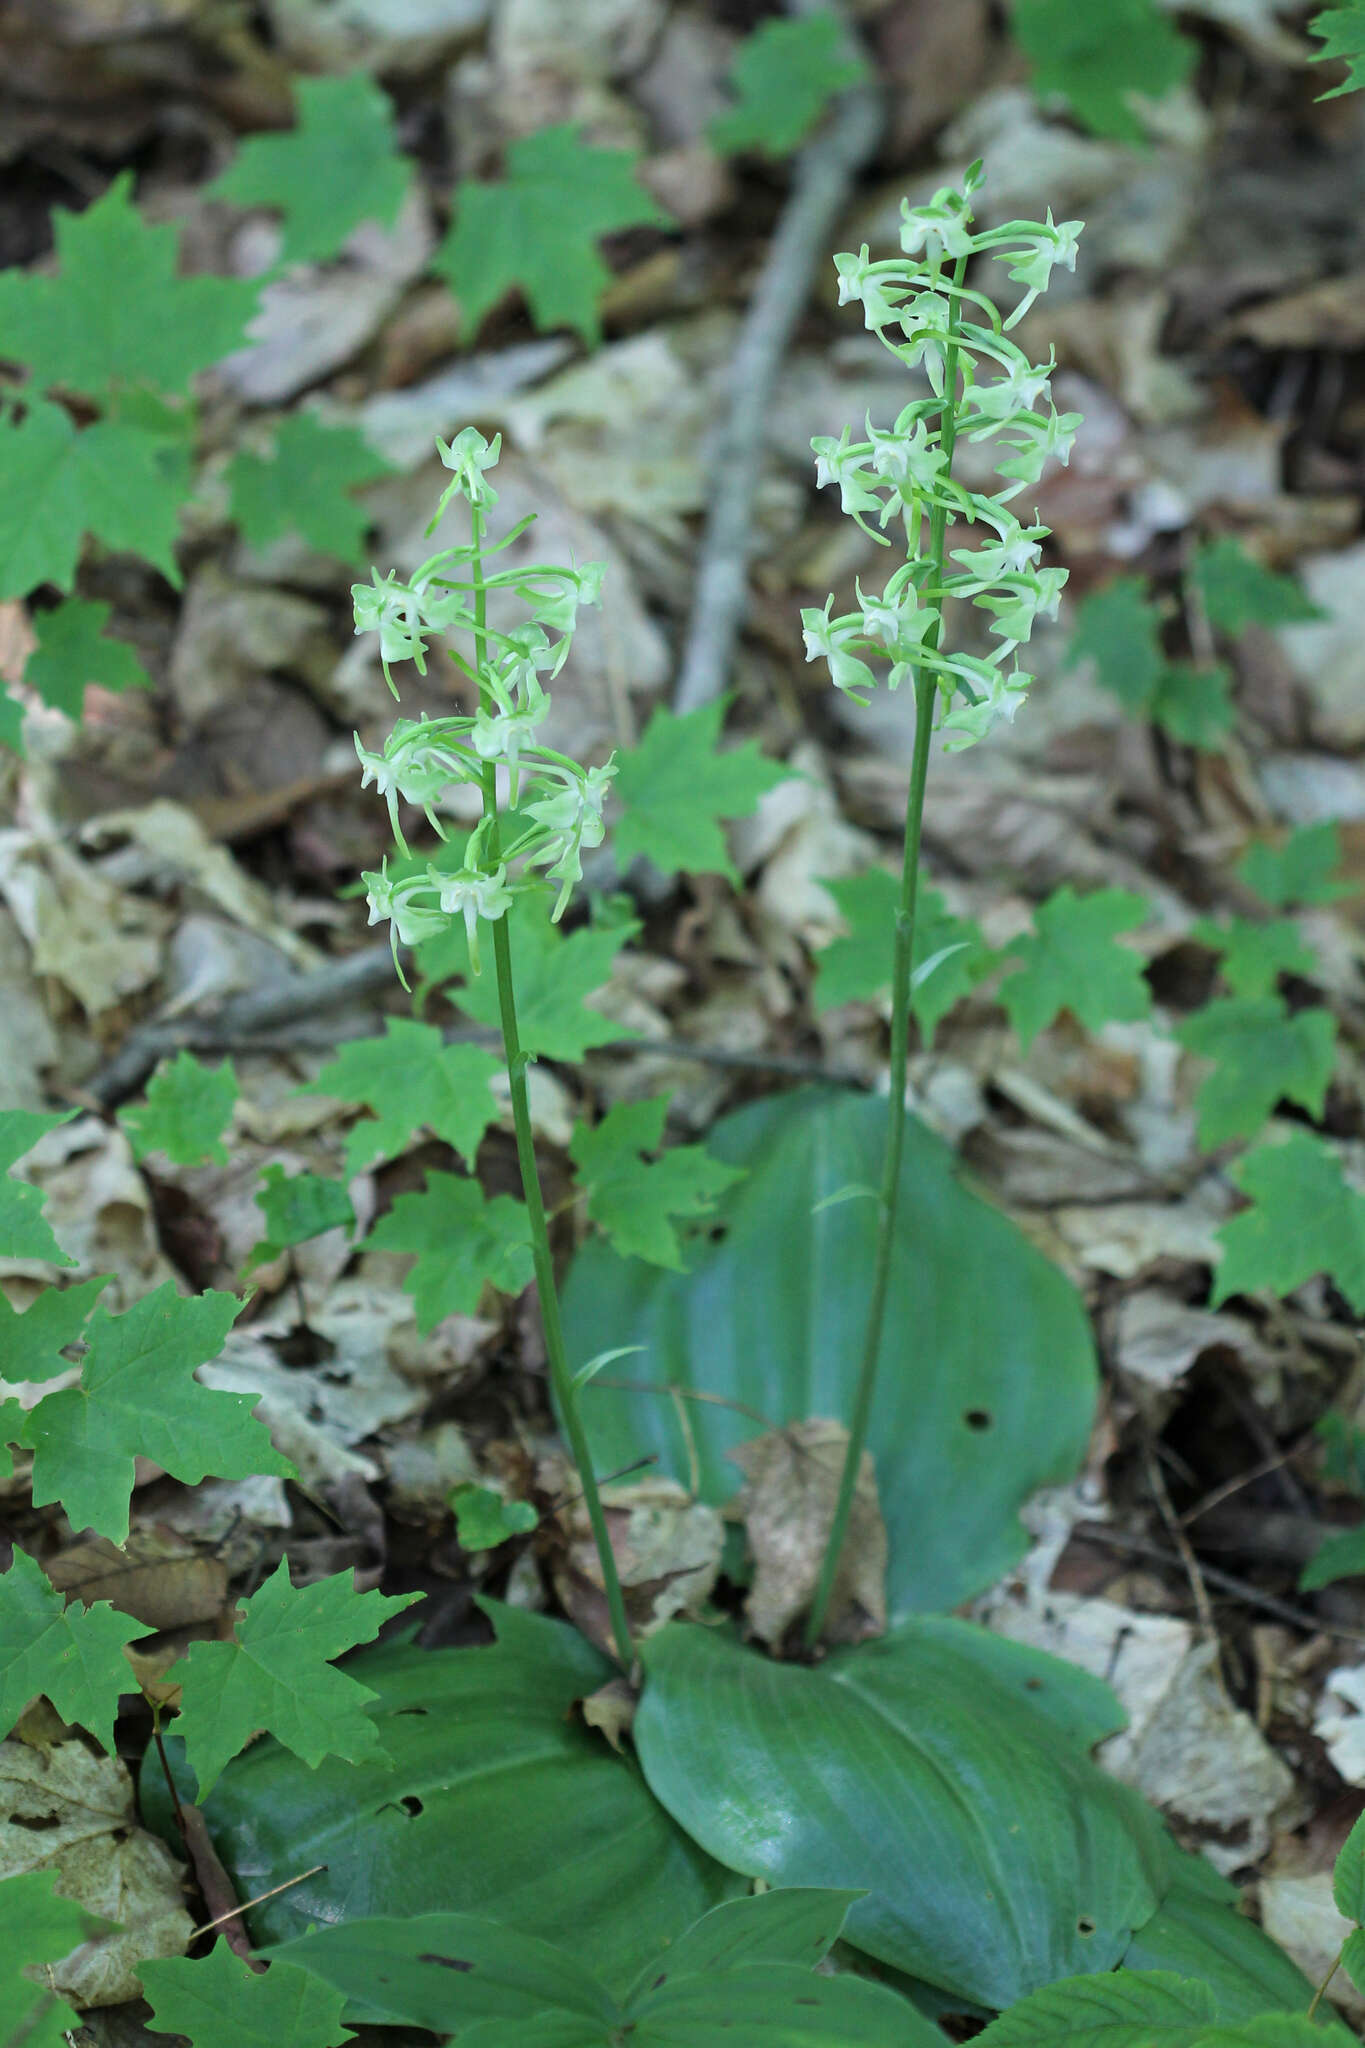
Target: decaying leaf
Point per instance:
(667, 1546)
(611, 1709)
(156, 1577)
(787, 1506)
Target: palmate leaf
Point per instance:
(483, 1519)
(221, 2002)
(138, 1397)
(1255, 951)
(1194, 705)
(31, 1344)
(277, 1675)
(340, 165)
(412, 1080)
(1299, 870)
(1073, 963)
(783, 77)
(538, 229)
(303, 486)
(1099, 60)
(1341, 30)
(73, 1655)
(1117, 629)
(1303, 1220)
(37, 1926)
(297, 1207)
(462, 1241)
(23, 1233)
(1237, 591)
(1260, 1053)
(677, 785)
(113, 479)
(638, 1202)
(74, 650)
(116, 313)
(554, 974)
(187, 1109)
(857, 967)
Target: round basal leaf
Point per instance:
(987, 1376)
(955, 1787)
(500, 1802)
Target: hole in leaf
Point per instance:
(1085, 1925)
(978, 1418)
(1033, 1685)
(410, 1710)
(411, 1804)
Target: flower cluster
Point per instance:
(560, 804)
(983, 389)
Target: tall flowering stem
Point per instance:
(562, 801)
(922, 310)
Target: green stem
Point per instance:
(561, 1379)
(901, 963)
(1321, 1991)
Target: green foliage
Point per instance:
(1261, 1053)
(857, 967)
(1193, 1934)
(221, 2002)
(1116, 628)
(115, 314)
(138, 1397)
(483, 1519)
(1337, 1557)
(636, 1201)
(554, 974)
(462, 1241)
(37, 1926)
(1255, 951)
(1122, 2009)
(539, 229)
(277, 1674)
(675, 787)
(1194, 705)
(11, 722)
(338, 166)
(987, 1381)
(1236, 591)
(31, 1344)
(296, 1208)
(73, 1655)
(187, 1110)
(412, 1080)
(1071, 962)
(1303, 1220)
(23, 1233)
(1341, 30)
(1099, 60)
(303, 486)
(783, 77)
(1348, 1875)
(111, 480)
(1298, 871)
(73, 650)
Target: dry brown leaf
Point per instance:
(611, 1709)
(787, 1506)
(157, 1578)
(667, 1548)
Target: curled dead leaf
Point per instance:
(787, 1507)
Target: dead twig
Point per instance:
(1238, 1589)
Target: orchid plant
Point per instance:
(981, 387)
(558, 804)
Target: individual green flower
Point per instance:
(571, 818)
(469, 455)
(967, 723)
(473, 894)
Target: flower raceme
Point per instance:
(561, 803)
(921, 309)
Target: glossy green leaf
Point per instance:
(1260, 1054)
(1120, 2009)
(72, 1654)
(1071, 961)
(1301, 869)
(74, 650)
(463, 1241)
(773, 2005)
(23, 1233)
(678, 784)
(411, 1080)
(499, 1801)
(640, 1202)
(1255, 951)
(1197, 1932)
(187, 1109)
(37, 1926)
(783, 77)
(997, 1856)
(798, 1924)
(221, 2002)
(340, 165)
(987, 1376)
(303, 486)
(857, 966)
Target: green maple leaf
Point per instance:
(1194, 705)
(857, 967)
(277, 1675)
(187, 1110)
(1337, 1557)
(1098, 59)
(462, 1241)
(635, 1200)
(1256, 951)
(483, 1519)
(297, 1209)
(37, 1927)
(1116, 628)
(539, 229)
(413, 1081)
(73, 1655)
(31, 1344)
(303, 487)
(1303, 1220)
(783, 77)
(219, 2002)
(1299, 871)
(1261, 1054)
(23, 1233)
(113, 480)
(340, 165)
(553, 976)
(1341, 30)
(73, 651)
(138, 1398)
(675, 787)
(1236, 591)
(1072, 963)
(116, 313)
